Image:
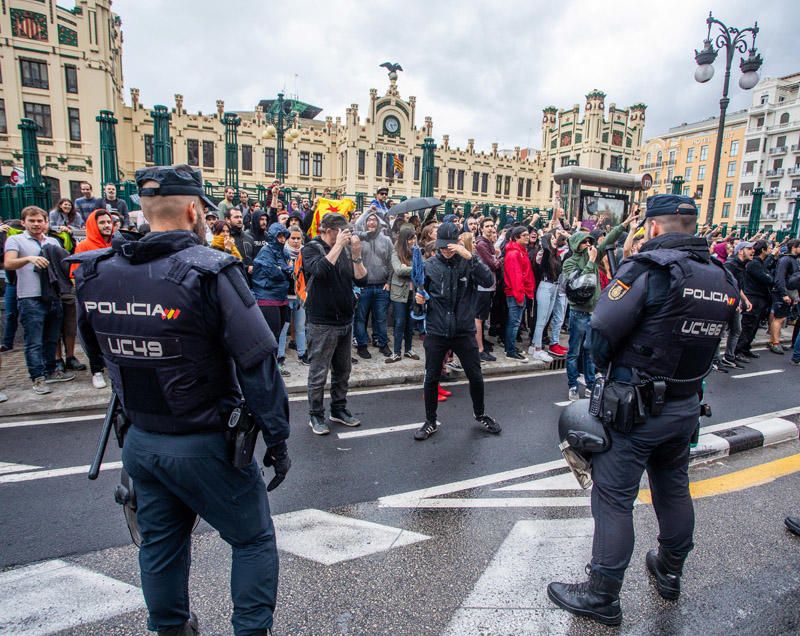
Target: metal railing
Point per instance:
(775, 172)
(777, 150)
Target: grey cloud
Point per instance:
(480, 69)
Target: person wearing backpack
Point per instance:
(583, 291)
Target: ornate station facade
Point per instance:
(62, 67)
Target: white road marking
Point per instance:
(565, 481)
(55, 420)
(53, 596)
(369, 432)
(6, 467)
(510, 598)
(757, 373)
(564, 403)
(55, 472)
(327, 538)
(747, 421)
(415, 497)
(496, 502)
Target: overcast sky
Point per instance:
(480, 69)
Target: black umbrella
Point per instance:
(417, 203)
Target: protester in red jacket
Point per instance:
(519, 285)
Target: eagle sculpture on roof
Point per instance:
(392, 68)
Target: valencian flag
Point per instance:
(324, 206)
(398, 166)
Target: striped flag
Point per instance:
(398, 166)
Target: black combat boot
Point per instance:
(597, 598)
(666, 569)
(189, 628)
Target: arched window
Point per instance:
(659, 158)
(785, 118)
(648, 159)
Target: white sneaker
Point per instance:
(542, 356)
(573, 394)
(587, 392)
(98, 381)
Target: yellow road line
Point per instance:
(739, 480)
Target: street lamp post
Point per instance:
(732, 40)
(281, 120)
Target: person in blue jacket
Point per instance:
(271, 276)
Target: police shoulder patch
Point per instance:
(617, 290)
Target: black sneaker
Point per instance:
(742, 359)
(489, 424)
(303, 359)
(752, 354)
(293, 345)
(426, 430)
(516, 355)
(717, 366)
(795, 362)
(59, 376)
(487, 357)
(318, 425)
(728, 362)
(344, 417)
(363, 352)
(385, 350)
(73, 364)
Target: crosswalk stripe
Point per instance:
(511, 595)
(55, 595)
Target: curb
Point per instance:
(755, 432)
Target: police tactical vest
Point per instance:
(680, 339)
(151, 324)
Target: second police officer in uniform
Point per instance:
(655, 331)
(167, 315)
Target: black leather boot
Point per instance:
(189, 628)
(597, 598)
(666, 569)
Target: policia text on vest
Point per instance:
(165, 313)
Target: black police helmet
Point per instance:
(584, 433)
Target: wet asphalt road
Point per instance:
(746, 566)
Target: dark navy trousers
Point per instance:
(660, 446)
(176, 477)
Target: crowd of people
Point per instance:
(545, 278)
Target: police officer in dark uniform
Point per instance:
(655, 333)
(166, 313)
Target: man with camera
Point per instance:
(332, 264)
(655, 332)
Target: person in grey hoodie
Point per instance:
(377, 254)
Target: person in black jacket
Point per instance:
(782, 299)
(331, 266)
(452, 277)
(742, 254)
(757, 287)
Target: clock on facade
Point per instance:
(391, 125)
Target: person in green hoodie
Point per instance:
(584, 259)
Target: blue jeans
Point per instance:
(297, 316)
(41, 321)
(546, 296)
(512, 326)
(403, 329)
(11, 318)
(176, 477)
(796, 350)
(559, 309)
(375, 298)
(580, 334)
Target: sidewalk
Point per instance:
(80, 395)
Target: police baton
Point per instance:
(105, 432)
